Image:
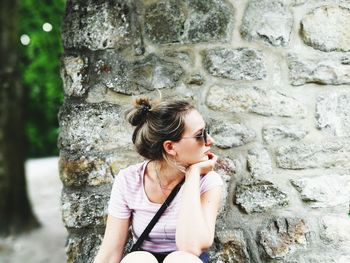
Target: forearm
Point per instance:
(107, 256)
(192, 231)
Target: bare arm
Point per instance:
(112, 247)
(196, 223)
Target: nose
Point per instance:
(210, 140)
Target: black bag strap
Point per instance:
(156, 217)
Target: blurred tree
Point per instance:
(15, 211)
(40, 21)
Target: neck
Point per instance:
(168, 174)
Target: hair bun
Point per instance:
(138, 115)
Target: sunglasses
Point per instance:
(203, 136)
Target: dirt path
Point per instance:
(45, 244)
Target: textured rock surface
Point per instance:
(256, 196)
(229, 134)
(254, 99)
(323, 155)
(92, 128)
(101, 25)
(83, 247)
(320, 69)
(332, 113)
(324, 191)
(267, 21)
(136, 76)
(259, 163)
(235, 64)
(282, 237)
(73, 73)
(334, 33)
(233, 247)
(335, 231)
(188, 21)
(85, 208)
(276, 133)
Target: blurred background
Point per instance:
(31, 229)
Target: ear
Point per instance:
(169, 147)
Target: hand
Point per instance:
(204, 167)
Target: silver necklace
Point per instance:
(160, 182)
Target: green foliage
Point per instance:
(40, 70)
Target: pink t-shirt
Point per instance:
(128, 198)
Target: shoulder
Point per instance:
(132, 173)
(209, 181)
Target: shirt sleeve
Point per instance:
(210, 181)
(118, 206)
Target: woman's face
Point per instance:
(190, 148)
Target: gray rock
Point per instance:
(235, 64)
(85, 208)
(275, 133)
(97, 25)
(73, 72)
(324, 191)
(267, 21)
(195, 79)
(254, 99)
(333, 35)
(283, 237)
(189, 21)
(335, 230)
(226, 168)
(256, 196)
(233, 247)
(332, 113)
(83, 247)
(88, 129)
(85, 171)
(316, 155)
(331, 69)
(136, 76)
(259, 163)
(228, 135)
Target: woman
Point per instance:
(173, 138)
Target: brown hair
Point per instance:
(155, 123)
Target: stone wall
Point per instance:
(272, 80)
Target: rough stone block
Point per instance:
(85, 208)
(254, 99)
(332, 113)
(267, 21)
(97, 25)
(83, 246)
(259, 163)
(188, 21)
(233, 247)
(324, 191)
(333, 35)
(283, 237)
(321, 69)
(133, 77)
(88, 129)
(73, 73)
(335, 230)
(276, 133)
(256, 196)
(325, 154)
(228, 135)
(226, 168)
(235, 64)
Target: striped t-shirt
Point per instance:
(128, 199)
